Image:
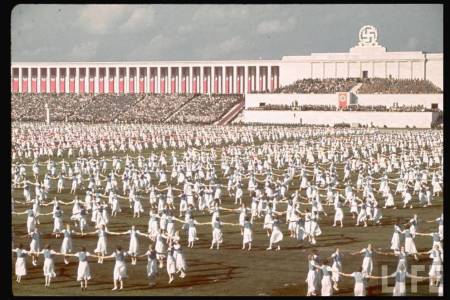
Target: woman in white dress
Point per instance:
(35, 245)
(389, 201)
(311, 277)
(336, 267)
(395, 241)
(192, 231)
(247, 237)
(339, 214)
(327, 289)
(20, 268)
(170, 264)
(58, 222)
(120, 267)
(180, 261)
(436, 269)
(137, 207)
(410, 246)
(367, 264)
(133, 247)
(217, 236)
(360, 281)
(49, 264)
(152, 265)
(83, 270)
(66, 246)
(276, 236)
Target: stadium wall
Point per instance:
(253, 100)
(389, 119)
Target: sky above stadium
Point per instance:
(214, 32)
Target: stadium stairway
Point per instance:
(356, 88)
(179, 108)
(228, 117)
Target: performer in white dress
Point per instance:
(311, 277)
(20, 268)
(248, 234)
(336, 267)
(276, 235)
(152, 265)
(367, 265)
(120, 267)
(133, 248)
(395, 241)
(83, 270)
(66, 246)
(180, 261)
(49, 264)
(171, 264)
(326, 270)
(217, 236)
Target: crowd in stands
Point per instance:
(154, 108)
(205, 109)
(320, 86)
(311, 107)
(369, 86)
(124, 108)
(398, 86)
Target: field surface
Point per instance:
(230, 270)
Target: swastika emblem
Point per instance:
(368, 36)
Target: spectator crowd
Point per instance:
(124, 108)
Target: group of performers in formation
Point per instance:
(186, 184)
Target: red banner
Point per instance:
(216, 85)
(131, 85)
(72, 85)
(238, 84)
(183, 85)
(81, 87)
(101, 85)
(141, 85)
(62, 84)
(249, 90)
(162, 86)
(342, 100)
(227, 85)
(52, 85)
(260, 87)
(111, 85)
(15, 85)
(24, 85)
(205, 85)
(43, 85)
(121, 88)
(33, 85)
(91, 85)
(172, 86)
(271, 84)
(194, 85)
(152, 85)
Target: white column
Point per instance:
(77, 80)
(411, 70)
(147, 80)
(116, 81)
(213, 78)
(29, 80)
(335, 69)
(398, 69)
(106, 81)
(158, 80)
(57, 81)
(20, 80)
(126, 81)
(209, 80)
(191, 71)
(180, 80)
(234, 88)
(47, 81)
(96, 81)
(264, 79)
(258, 74)
(246, 79)
(169, 86)
(348, 70)
(224, 80)
(201, 80)
(86, 80)
(323, 70)
(66, 80)
(269, 79)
